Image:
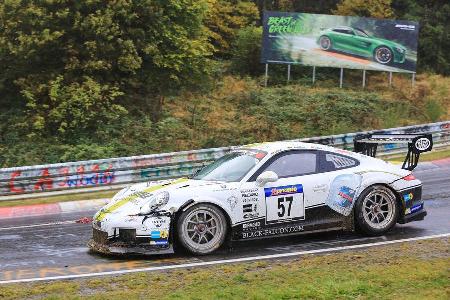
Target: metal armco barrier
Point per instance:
(123, 170)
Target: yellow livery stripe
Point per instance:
(133, 196)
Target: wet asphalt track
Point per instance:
(31, 249)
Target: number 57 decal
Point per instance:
(284, 203)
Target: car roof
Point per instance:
(274, 147)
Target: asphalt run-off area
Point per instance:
(54, 246)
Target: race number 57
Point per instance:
(284, 203)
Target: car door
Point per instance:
(298, 197)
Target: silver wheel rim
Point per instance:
(325, 43)
(383, 55)
(378, 209)
(202, 229)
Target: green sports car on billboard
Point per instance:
(356, 41)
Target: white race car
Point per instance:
(266, 190)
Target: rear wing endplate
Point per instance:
(417, 143)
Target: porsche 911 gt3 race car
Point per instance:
(266, 190)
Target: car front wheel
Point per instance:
(376, 210)
(383, 55)
(202, 229)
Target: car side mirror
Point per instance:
(265, 177)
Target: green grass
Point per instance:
(415, 270)
(429, 156)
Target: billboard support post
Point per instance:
(364, 78)
(341, 78)
(314, 75)
(413, 79)
(289, 72)
(390, 78)
(267, 75)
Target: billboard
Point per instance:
(340, 41)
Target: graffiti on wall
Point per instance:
(48, 179)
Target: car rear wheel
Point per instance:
(325, 43)
(202, 229)
(383, 55)
(376, 210)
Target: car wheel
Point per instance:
(376, 210)
(383, 55)
(325, 43)
(202, 229)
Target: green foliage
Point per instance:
(225, 18)
(365, 8)
(247, 51)
(75, 65)
(434, 36)
(433, 110)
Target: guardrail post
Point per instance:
(341, 78)
(364, 79)
(289, 72)
(267, 75)
(314, 75)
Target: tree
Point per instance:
(224, 19)
(365, 8)
(76, 64)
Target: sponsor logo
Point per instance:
(251, 225)
(346, 195)
(155, 234)
(422, 144)
(233, 202)
(408, 197)
(416, 207)
(272, 231)
(159, 242)
(405, 27)
(247, 208)
(283, 190)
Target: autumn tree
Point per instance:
(365, 8)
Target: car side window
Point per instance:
(346, 31)
(291, 163)
(329, 162)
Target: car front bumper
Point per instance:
(139, 235)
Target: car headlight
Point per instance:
(398, 49)
(158, 200)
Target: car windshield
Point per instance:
(231, 167)
(361, 33)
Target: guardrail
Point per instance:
(97, 174)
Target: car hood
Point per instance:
(129, 200)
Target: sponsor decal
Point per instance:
(251, 225)
(159, 242)
(232, 201)
(416, 207)
(155, 234)
(249, 195)
(346, 195)
(272, 231)
(408, 197)
(342, 193)
(250, 211)
(422, 144)
(283, 190)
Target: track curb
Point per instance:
(51, 208)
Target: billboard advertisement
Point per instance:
(340, 41)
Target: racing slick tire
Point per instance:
(383, 55)
(325, 43)
(376, 210)
(202, 229)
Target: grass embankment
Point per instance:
(240, 111)
(415, 270)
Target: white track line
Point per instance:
(38, 225)
(228, 261)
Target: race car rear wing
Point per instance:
(417, 143)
